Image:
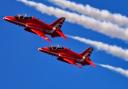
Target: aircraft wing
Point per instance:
(69, 61)
(41, 34)
(72, 62)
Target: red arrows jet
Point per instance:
(37, 26)
(68, 56)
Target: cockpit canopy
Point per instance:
(23, 17)
(55, 48)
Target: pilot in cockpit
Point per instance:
(56, 48)
(23, 17)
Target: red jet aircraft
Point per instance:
(68, 56)
(37, 26)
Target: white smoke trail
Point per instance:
(93, 12)
(106, 28)
(111, 49)
(119, 70)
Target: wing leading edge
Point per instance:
(41, 34)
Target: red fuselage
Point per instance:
(37, 26)
(29, 22)
(66, 55)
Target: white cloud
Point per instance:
(119, 70)
(93, 12)
(111, 49)
(106, 28)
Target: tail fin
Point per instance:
(87, 52)
(57, 27)
(86, 57)
(58, 23)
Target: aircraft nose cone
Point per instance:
(8, 18)
(4, 18)
(42, 49)
(39, 49)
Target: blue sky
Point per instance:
(23, 67)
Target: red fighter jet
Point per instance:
(37, 26)
(68, 56)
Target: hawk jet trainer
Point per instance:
(36, 26)
(69, 56)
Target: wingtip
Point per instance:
(48, 39)
(39, 49)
